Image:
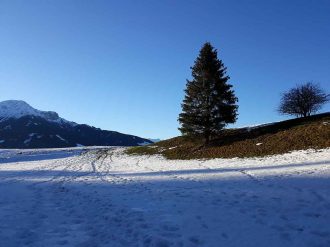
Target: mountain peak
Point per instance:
(22, 126)
(14, 104)
(16, 109)
(19, 108)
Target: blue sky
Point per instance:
(123, 65)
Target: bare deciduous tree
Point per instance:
(303, 100)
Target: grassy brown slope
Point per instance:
(276, 138)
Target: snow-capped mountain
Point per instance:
(154, 140)
(18, 108)
(22, 126)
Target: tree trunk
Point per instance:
(207, 139)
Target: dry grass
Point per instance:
(278, 138)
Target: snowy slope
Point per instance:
(102, 197)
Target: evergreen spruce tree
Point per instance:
(210, 103)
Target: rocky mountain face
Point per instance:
(22, 126)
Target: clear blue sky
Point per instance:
(123, 65)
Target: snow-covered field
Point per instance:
(70, 197)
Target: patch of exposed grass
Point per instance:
(276, 138)
(143, 150)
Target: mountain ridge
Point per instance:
(22, 126)
(19, 108)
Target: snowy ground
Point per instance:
(71, 197)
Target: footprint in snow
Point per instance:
(322, 234)
(195, 240)
(283, 217)
(312, 215)
(285, 236)
(62, 242)
(170, 228)
(224, 235)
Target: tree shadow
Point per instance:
(145, 199)
(223, 170)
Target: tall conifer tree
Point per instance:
(210, 103)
